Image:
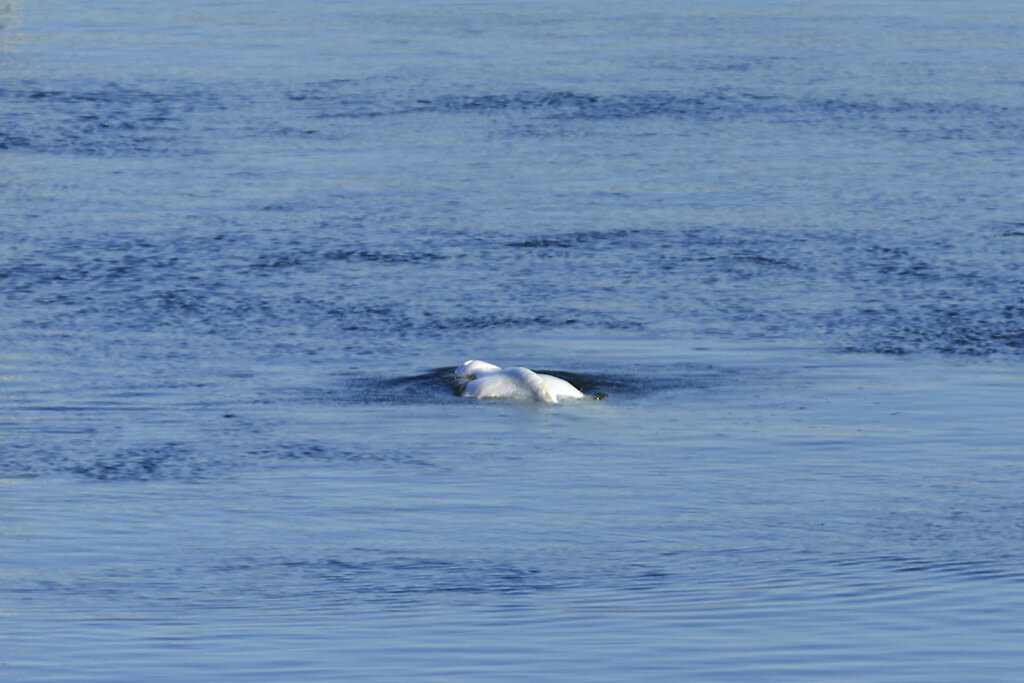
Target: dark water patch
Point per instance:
(368, 271)
(480, 317)
(999, 567)
(488, 321)
(900, 262)
(381, 576)
(366, 317)
(542, 243)
(648, 382)
(167, 461)
(349, 98)
(404, 577)
(554, 104)
(439, 384)
(342, 99)
(286, 260)
(768, 261)
(919, 119)
(386, 577)
(586, 238)
(176, 118)
(902, 296)
(23, 460)
(953, 328)
(323, 454)
(190, 462)
(109, 119)
(98, 262)
(9, 140)
(371, 256)
(1011, 228)
(752, 244)
(566, 105)
(916, 120)
(312, 257)
(178, 461)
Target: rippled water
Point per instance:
(243, 246)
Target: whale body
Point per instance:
(487, 380)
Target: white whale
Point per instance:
(487, 380)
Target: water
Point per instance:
(242, 246)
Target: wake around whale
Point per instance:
(486, 380)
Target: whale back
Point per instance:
(475, 368)
(533, 384)
(560, 388)
(510, 383)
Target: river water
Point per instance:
(243, 245)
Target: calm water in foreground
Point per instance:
(242, 247)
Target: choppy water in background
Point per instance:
(242, 245)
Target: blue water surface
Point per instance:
(243, 246)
